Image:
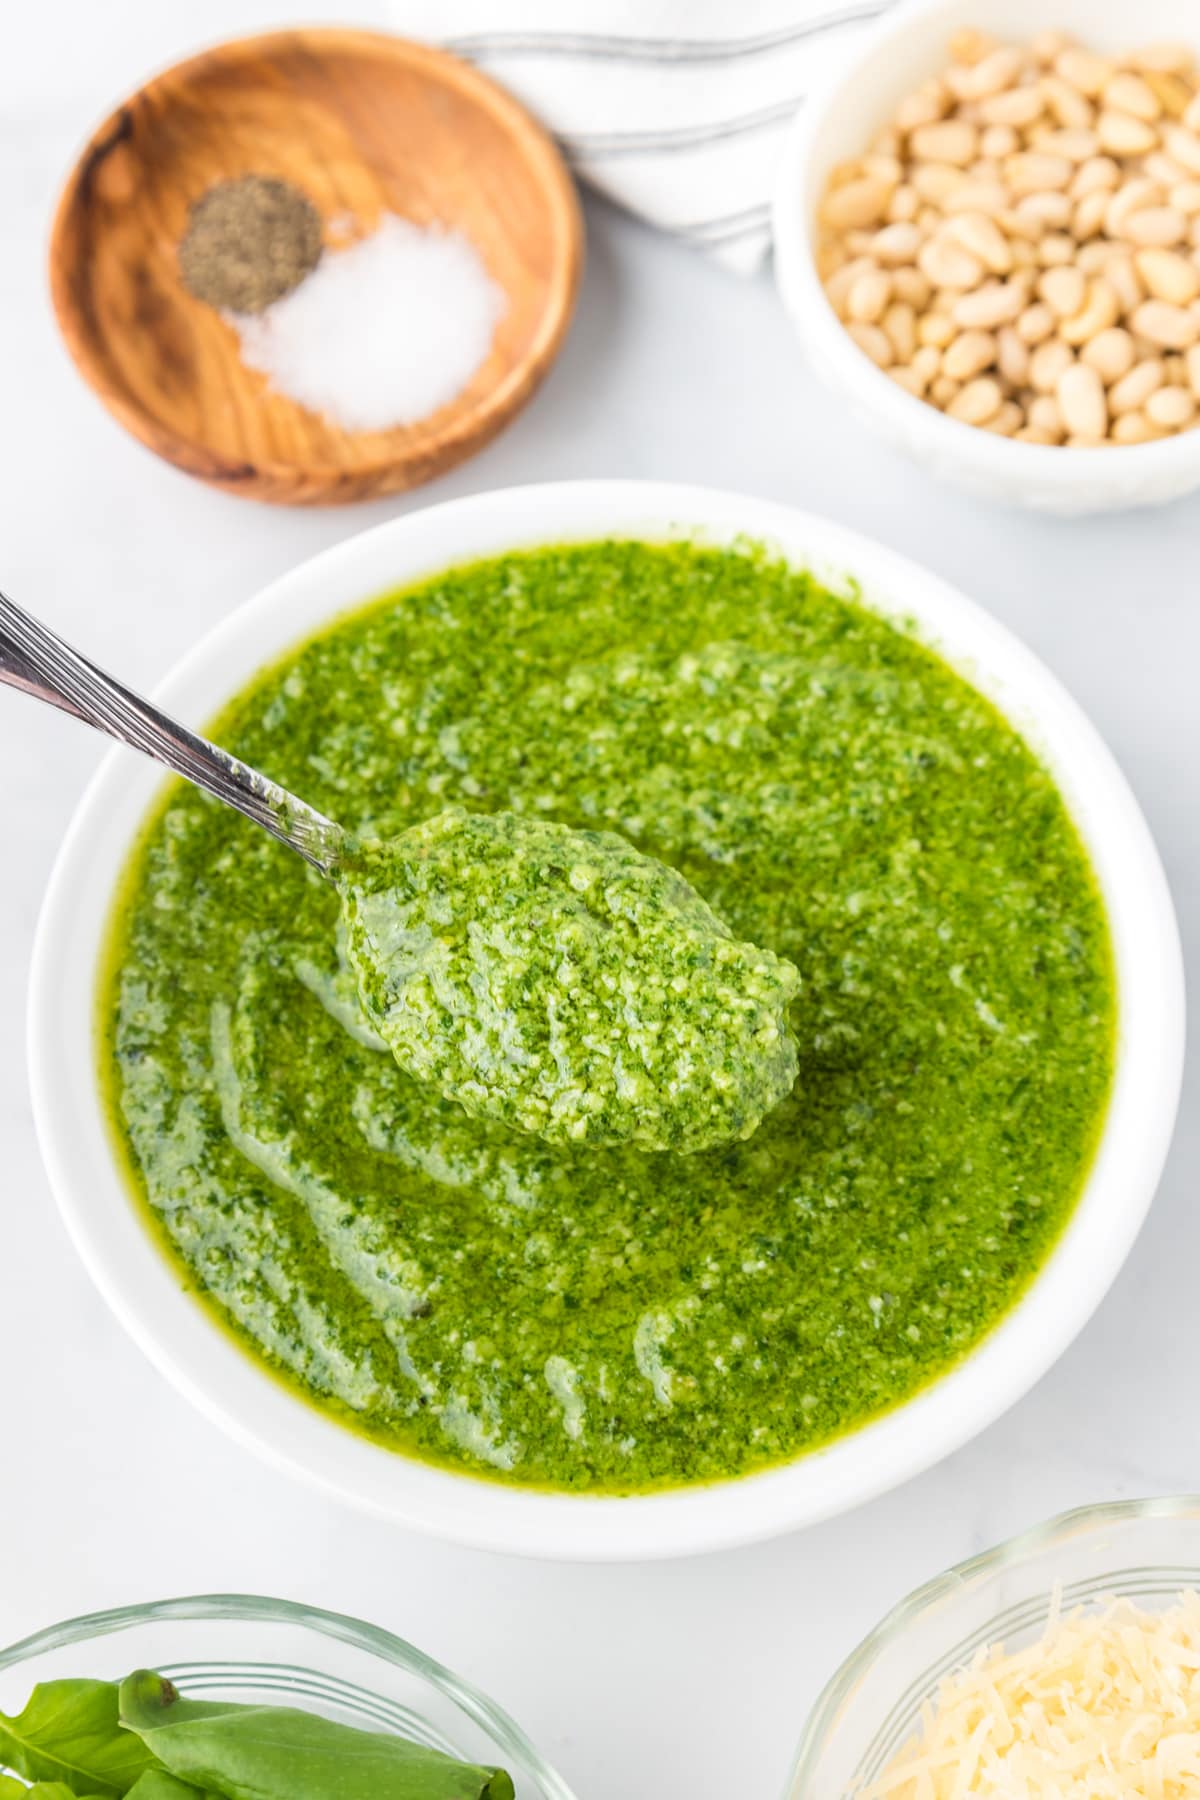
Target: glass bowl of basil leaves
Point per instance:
(228, 1696)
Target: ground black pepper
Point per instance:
(249, 242)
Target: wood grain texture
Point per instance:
(365, 124)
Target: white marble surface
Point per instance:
(639, 1682)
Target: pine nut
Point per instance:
(900, 324)
(996, 303)
(1166, 59)
(1081, 400)
(949, 141)
(1184, 146)
(874, 342)
(1192, 364)
(978, 401)
(1097, 173)
(1051, 207)
(937, 329)
(1029, 171)
(969, 355)
(1045, 416)
(998, 141)
(1171, 326)
(927, 361)
(1068, 105)
(1047, 364)
(1164, 169)
(1047, 46)
(1121, 274)
(868, 297)
(883, 166)
(908, 378)
(1013, 106)
(912, 287)
(1012, 356)
(897, 243)
(934, 181)
(1134, 428)
(1171, 91)
(1035, 324)
(1123, 135)
(839, 284)
(903, 206)
(990, 74)
(1057, 250)
(1171, 407)
(1063, 290)
(1159, 226)
(1100, 310)
(1186, 198)
(1130, 94)
(976, 196)
(983, 238)
(970, 46)
(860, 202)
(1128, 198)
(1094, 256)
(924, 106)
(1076, 143)
(1134, 389)
(1089, 73)
(1168, 276)
(948, 265)
(1006, 420)
(942, 390)
(1088, 217)
(1110, 353)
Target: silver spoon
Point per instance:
(391, 941)
(38, 662)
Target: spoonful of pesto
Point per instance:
(559, 981)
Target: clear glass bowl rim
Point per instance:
(1011, 1551)
(254, 1608)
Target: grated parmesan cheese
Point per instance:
(1103, 1707)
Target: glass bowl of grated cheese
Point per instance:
(1062, 1665)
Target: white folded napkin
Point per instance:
(676, 109)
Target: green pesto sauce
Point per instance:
(562, 982)
(574, 1316)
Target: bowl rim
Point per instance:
(1061, 468)
(1010, 1551)
(464, 432)
(235, 1391)
(341, 1627)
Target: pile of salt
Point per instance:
(382, 333)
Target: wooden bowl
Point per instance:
(365, 124)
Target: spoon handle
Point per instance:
(33, 659)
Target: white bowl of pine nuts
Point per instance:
(987, 233)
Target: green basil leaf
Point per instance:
(11, 1789)
(69, 1732)
(277, 1753)
(156, 1784)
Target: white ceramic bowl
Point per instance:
(189, 1348)
(836, 123)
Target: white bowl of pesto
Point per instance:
(709, 1258)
